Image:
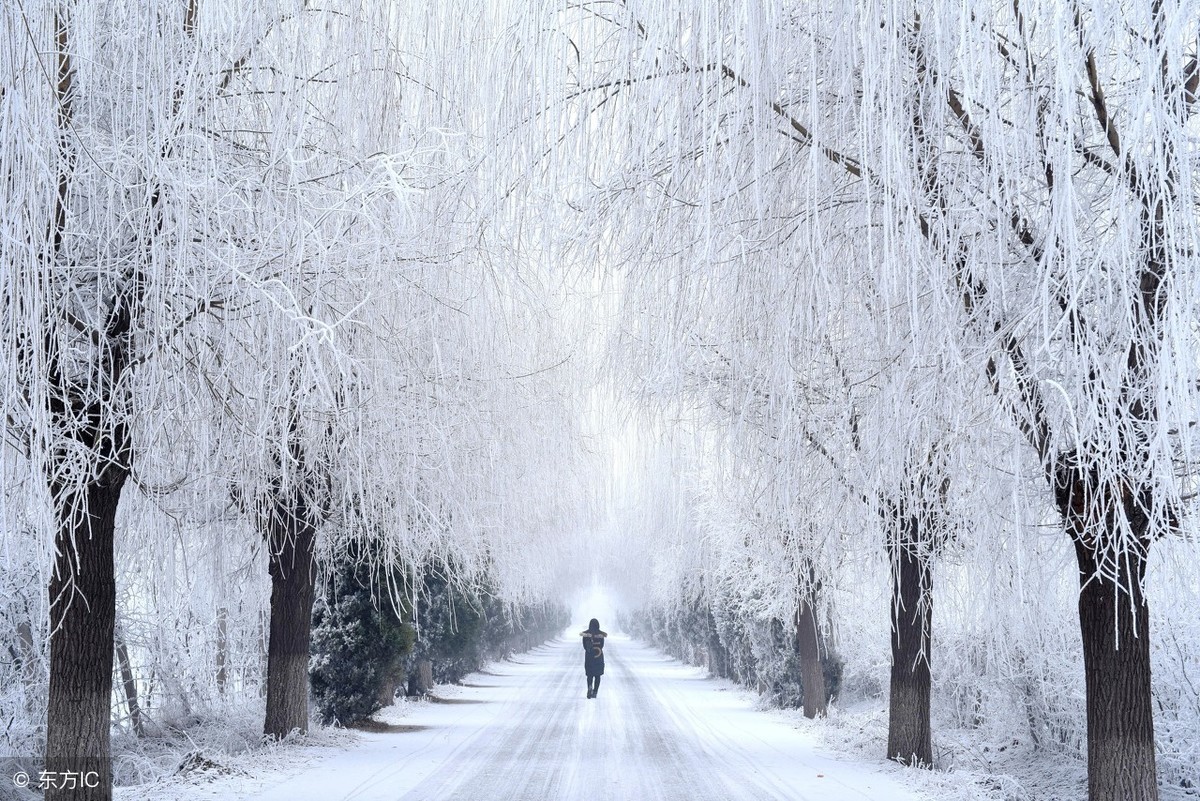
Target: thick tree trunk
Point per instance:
(909, 739)
(421, 680)
(808, 646)
(391, 682)
(292, 593)
(1114, 621)
(82, 616)
(1109, 527)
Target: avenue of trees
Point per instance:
(254, 320)
(312, 317)
(909, 287)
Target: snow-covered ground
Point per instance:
(524, 730)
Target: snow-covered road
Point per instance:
(525, 732)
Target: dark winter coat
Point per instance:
(593, 652)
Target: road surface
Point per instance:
(524, 731)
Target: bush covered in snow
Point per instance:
(359, 641)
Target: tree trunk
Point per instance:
(1114, 620)
(421, 681)
(909, 740)
(808, 646)
(263, 630)
(1108, 525)
(718, 658)
(292, 593)
(28, 664)
(129, 685)
(222, 649)
(387, 688)
(718, 655)
(82, 616)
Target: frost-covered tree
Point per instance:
(89, 226)
(1070, 151)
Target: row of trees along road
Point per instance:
(254, 294)
(887, 238)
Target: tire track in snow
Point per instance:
(552, 743)
(516, 760)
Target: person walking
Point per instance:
(593, 656)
